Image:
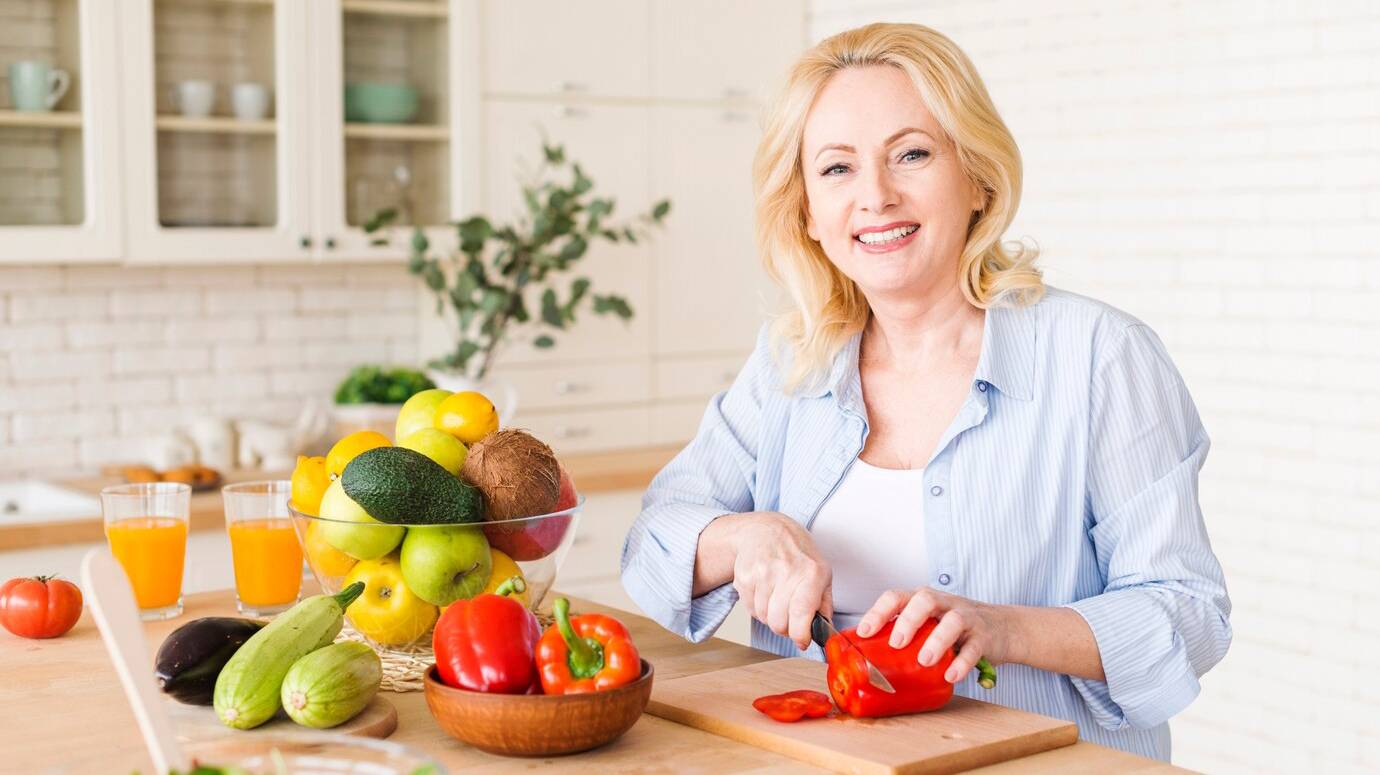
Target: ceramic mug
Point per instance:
(194, 99)
(37, 86)
(249, 101)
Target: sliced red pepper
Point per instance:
(918, 688)
(794, 706)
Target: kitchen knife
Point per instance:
(821, 629)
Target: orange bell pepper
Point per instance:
(588, 653)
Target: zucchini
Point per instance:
(332, 685)
(191, 657)
(248, 686)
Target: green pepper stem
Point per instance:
(347, 595)
(586, 654)
(514, 585)
(987, 673)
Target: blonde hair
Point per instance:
(827, 308)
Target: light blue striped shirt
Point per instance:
(1069, 477)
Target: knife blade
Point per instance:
(821, 629)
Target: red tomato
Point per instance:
(42, 607)
(794, 706)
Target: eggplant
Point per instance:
(190, 659)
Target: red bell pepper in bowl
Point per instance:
(488, 643)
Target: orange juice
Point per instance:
(151, 550)
(268, 561)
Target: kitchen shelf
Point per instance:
(416, 132)
(215, 124)
(409, 8)
(55, 119)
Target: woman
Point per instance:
(930, 432)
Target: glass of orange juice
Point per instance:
(263, 546)
(146, 525)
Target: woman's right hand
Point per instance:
(780, 575)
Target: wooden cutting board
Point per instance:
(962, 735)
(195, 722)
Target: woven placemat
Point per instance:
(404, 669)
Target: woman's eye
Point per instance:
(834, 169)
(915, 154)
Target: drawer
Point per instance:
(590, 430)
(697, 377)
(556, 387)
(675, 422)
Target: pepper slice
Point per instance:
(794, 706)
(588, 653)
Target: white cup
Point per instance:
(249, 101)
(194, 99)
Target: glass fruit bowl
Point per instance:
(411, 572)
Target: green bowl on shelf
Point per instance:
(380, 103)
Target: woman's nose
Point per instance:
(878, 192)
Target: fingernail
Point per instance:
(927, 658)
(895, 641)
(951, 676)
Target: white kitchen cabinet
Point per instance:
(723, 49)
(589, 430)
(610, 142)
(711, 292)
(540, 47)
(605, 383)
(60, 169)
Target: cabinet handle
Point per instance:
(304, 242)
(571, 86)
(736, 116)
(330, 243)
(735, 94)
(570, 111)
(565, 388)
(573, 431)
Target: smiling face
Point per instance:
(887, 199)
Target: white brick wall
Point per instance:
(93, 359)
(1214, 168)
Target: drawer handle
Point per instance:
(735, 94)
(736, 116)
(573, 431)
(570, 111)
(565, 388)
(571, 86)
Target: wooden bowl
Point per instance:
(537, 724)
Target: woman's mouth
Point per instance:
(887, 238)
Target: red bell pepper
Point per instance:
(487, 643)
(589, 653)
(794, 706)
(918, 688)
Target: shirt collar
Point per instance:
(1007, 361)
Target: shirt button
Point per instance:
(944, 579)
(936, 490)
(982, 386)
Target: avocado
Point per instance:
(403, 487)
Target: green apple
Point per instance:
(445, 564)
(444, 449)
(349, 528)
(418, 412)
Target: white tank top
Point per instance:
(872, 532)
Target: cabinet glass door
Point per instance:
(388, 110)
(219, 117)
(53, 123)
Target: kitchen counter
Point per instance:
(69, 715)
(592, 472)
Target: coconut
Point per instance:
(517, 474)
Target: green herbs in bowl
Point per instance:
(378, 385)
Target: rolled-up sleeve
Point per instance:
(711, 477)
(1162, 620)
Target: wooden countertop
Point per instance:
(68, 710)
(592, 472)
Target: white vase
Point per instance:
(501, 392)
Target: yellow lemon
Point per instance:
(387, 613)
(326, 560)
(348, 449)
(418, 412)
(468, 416)
(309, 482)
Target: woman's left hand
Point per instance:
(979, 629)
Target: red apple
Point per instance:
(534, 540)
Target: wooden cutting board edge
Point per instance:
(994, 753)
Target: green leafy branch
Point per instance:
(502, 274)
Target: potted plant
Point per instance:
(369, 396)
(505, 278)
